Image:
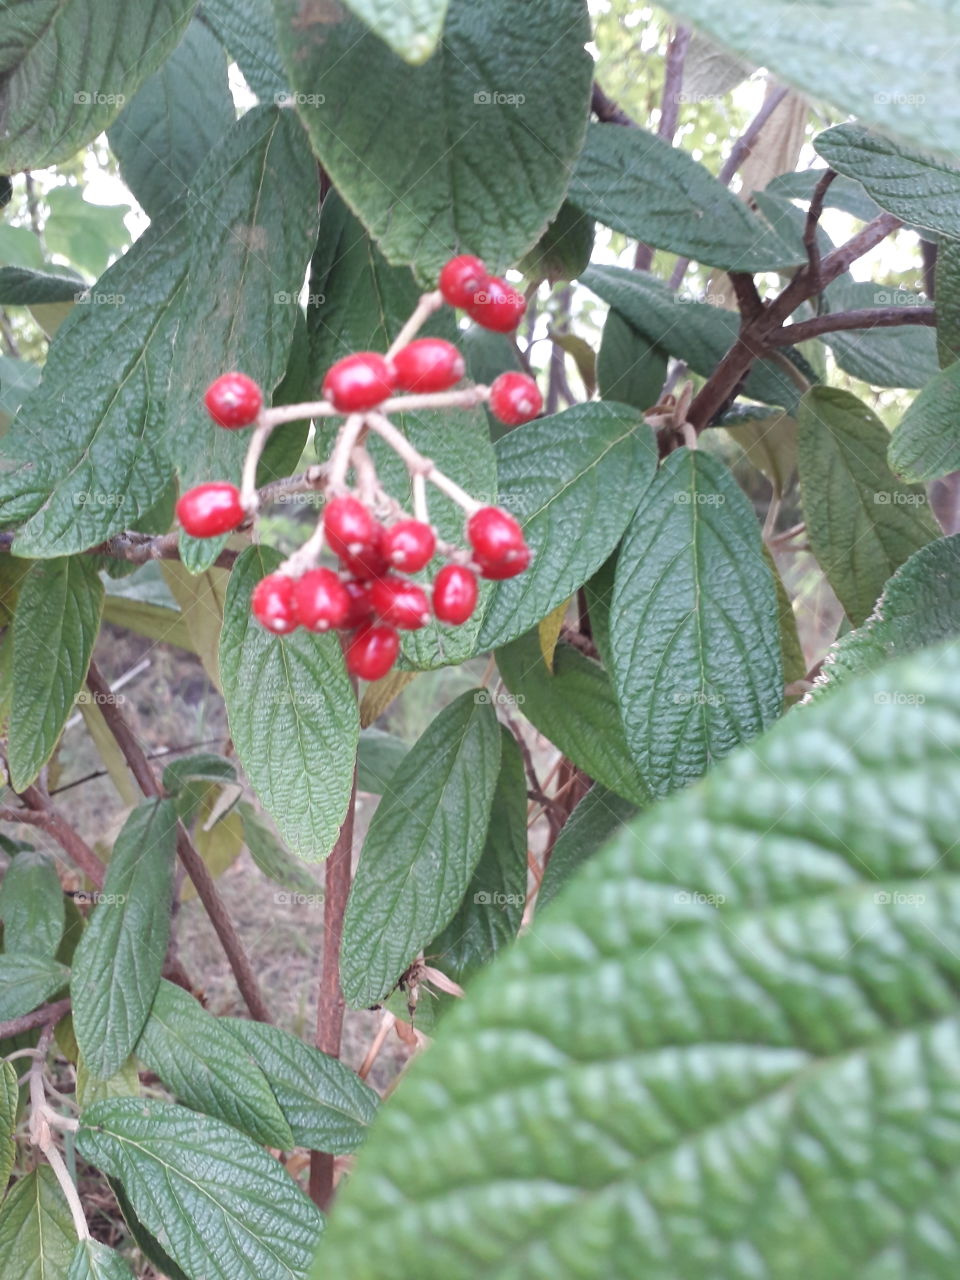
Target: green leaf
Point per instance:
(412, 30)
(204, 767)
(270, 855)
(124, 1083)
(17, 379)
(862, 522)
(926, 444)
(769, 440)
(149, 1245)
(21, 247)
(94, 1261)
(22, 286)
(842, 193)
(576, 708)
(327, 1105)
(489, 916)
(919, 188)
(164, 133)
(117, 965)
(813, 56)
(31, 905)
(630, 368)
(563, 251)
(88, 234)
(637, 183)
(9, 1102)
(471, 151)
(897, 357)
(85, 458)
(947, 285)
(697, 333)
(573, 481)
(37, 1235)
(246, 30)
(423, 844)
(762, 974)
(67, 75)
(694, 631)
(216, 1202)
(203, 1066)
(26, 981)
(920, 606)
(379, 756)
(201, 597)
(54, 630)
(293, 716)
(154, 621)
(253, 220)
(593, 822)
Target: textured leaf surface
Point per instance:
(269, 854)
(54, 630)
(470, 152)
(117, 964)
(202, 1064)
(247, 31)
(327, 1105)
(862, 522)
(630, 368)
(26, 981)
(947, 288)
(94, 1261)
(36, 1232)
(694, 633)
(293, 716)
(843, 193)
(730, 1049)
(927, 442)
(9, 1098)
(216, 1202)
(31, 905)
(898, 357)
(598, 816)
(21, 286)
(573, 481)
(423, 844)
(769, 440)
(66, 74)
(412, 30)
(380, 754)
(637, 183)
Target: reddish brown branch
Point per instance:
(834, 322)
(47, 1015)
(41, 813)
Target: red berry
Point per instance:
(372, 652)
(322, 600)
(400, 603)
(514, 398)
(428, 364)
(495, 536)
(506, 568)
(233, 400)
(349, 526)
(454, 594)
(370, 562)
(274, 603)
(361, 609)
(358, 382)
(461, 278)
(409, 545)
(497, 306)
(210, 509)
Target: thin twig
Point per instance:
(41, 813)
(46, 1015)
(811, 226)
(837, 321)
(607, 111)
(669, 114)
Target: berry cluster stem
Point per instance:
(425, 308)
(417, 464)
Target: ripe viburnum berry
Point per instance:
(359, 382)
(496, 538)
(409, 545)
(274, 604)
(210, 509)
(372, 652)
(454, 594)
(428, 364)
(370, 562)
(349, 526)
(461, 278)
(361, 610)
(322, 600)
(514, 398)
(400, 603)
(497, 306)
(506, 568)
(233, 400)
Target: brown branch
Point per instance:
(47, 1015)
(195, 866)
(810, 228)
(669, 114)
(41, 813)
(748, 299)
(869, 318)
(607, 111)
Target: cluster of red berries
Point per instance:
(369, 597)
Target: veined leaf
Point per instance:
(926, 444)
(246, 30)
(31, 905)
(895, 357)
(598, 816)
(630, 368)
(26, 981)
(412, 31)
(9, 1101)
(37, 1236)
(94, 1261)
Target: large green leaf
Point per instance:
(26, 981)
(489, 916)
(327, 1105)
(896, 357)
(637, 183)
(201, 1063)
(842, 193)
(423, 844)
(595, 819)
(573, 481)
(54, 630)
(31, 905)
(575, 707)
(37, 1236)
(163, 134)
(862, 522)
(694, 630)
(66, 74)
(630, 368)
(850, 53)
(117, 964)
(85, 457)
(947, 287)
(919, 188)
(94, 1261)
(9, 1100)
(411, 30)
(919, 606)
(22, 286)
(253, 216)
(730, 1049)
(926, 444)
(270, 855)
(216, 1202)
(293, 716)
(17, 379)
(472, 151)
